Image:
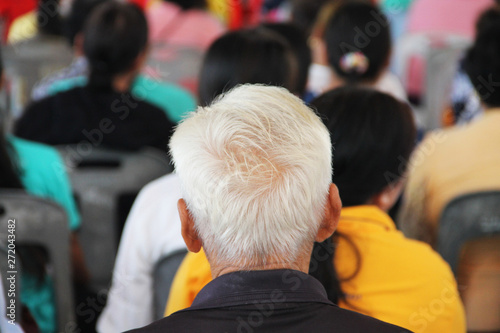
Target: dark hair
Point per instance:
(255, 55)
(114, 36)
(373, 136)
(358, 27)
(305, 13)
(298, 42)
(482, 63)
(48, 19)
(190, 4)
(79, 13)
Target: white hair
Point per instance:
(255, 167)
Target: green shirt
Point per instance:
(43, 174)
(175, 101)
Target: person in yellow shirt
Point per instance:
(368, 265)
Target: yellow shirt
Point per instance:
(400, 281)
(447, 164)
(193, 274)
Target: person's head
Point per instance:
(255, 168)
(373, 135)
(358, 41)
(482, 62)
(256, 55)
(115, 40)
(297, 39)
(78, 14)
(189, 4)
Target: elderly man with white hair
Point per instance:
(255, 169)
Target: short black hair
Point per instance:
(482, 61)
(114, 36)
(358, 26)
(372, 134)
(79, 13)
(297, 39)
(256, 55)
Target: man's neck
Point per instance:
(299, 264)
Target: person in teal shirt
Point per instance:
(42, 173)
(175, 101)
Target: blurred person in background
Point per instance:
(40, 171)
(351, 45)
(458, 160)
(369, 266)
(172, 99)
(103, 112)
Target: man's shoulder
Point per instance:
(302, 318)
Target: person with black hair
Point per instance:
(171, 98)
(462, 159)
(352, 46)
(298, 42)
(40, 170)
(72, 27)
(369, 266)
(103, 112)
(256, 55)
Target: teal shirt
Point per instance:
(43, 174)
(174, 100)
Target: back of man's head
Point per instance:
(255, 167)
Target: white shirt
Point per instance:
(152, 230)
(320, 80)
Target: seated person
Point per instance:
(40, 171)
(458, 160)
(130, 300)
(115, 45)
(255, 169)
(465, 103)
(380, 273)
(171, 98)
(373, 268)
(352, 46)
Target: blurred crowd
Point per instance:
(408, 90)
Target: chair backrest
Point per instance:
(100, 179)
(180, 65)
(163, 276)
(42, 222)
(27, 62)
(469, 240)
(426, 64)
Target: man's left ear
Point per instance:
(188, 230)
(332, 215)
